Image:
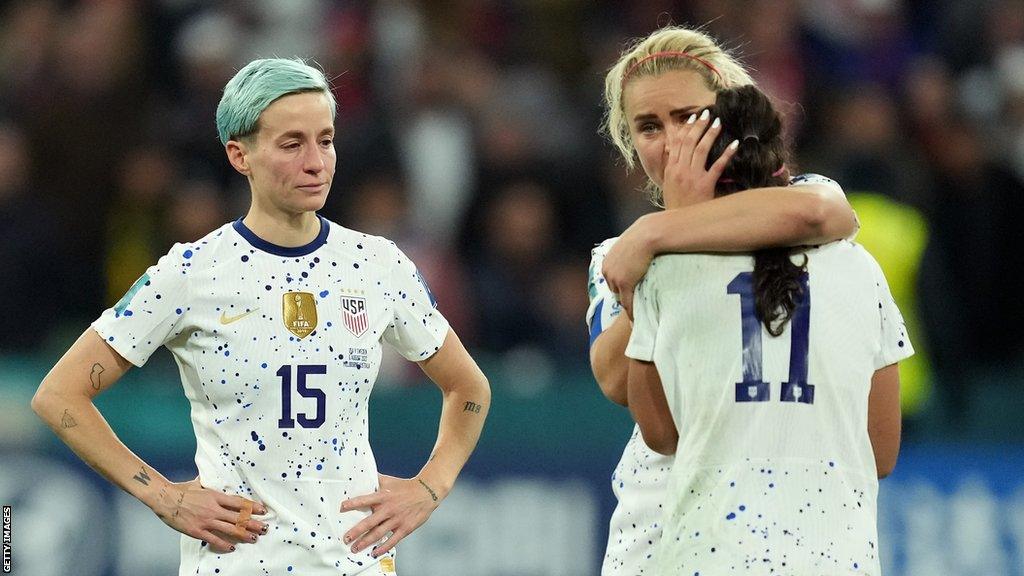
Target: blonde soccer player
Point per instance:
(812, 210)
(773, 379)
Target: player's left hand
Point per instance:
(400, 506)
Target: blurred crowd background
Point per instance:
(467, 133)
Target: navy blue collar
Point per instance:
(261, 244)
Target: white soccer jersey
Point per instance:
(774, 471)
(638, 481)
(640, 477)
(278, 349)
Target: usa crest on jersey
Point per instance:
(354, 315)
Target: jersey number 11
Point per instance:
(753, 388)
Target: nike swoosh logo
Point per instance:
(225, 319)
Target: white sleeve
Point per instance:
(604, 304)
(805, 179)
(152, 312)
(417, 329)
(895, 345)
(643, 338)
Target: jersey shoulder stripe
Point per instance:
(604, 305)
(810, 178)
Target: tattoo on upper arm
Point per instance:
(472, 407)
(94, 376)
(67, 420)
(142, 477)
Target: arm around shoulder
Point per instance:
(808, 213)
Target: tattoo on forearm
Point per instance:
(67, 420)
(142, 477)
(94, 376)
(472, 407)
(429, 489)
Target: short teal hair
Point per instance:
(259, 84)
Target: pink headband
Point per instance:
(672, 54)
(776, 174)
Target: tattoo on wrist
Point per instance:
(94, 376)
(429, 489)
(142, 477)
(472, 407)
(177, 504)
(67, 420)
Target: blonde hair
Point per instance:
(716, 66)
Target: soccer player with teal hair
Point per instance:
(258, 84)
(276, 322)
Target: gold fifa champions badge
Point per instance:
(387, 565)
(299, 313)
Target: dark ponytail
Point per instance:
(748, 116)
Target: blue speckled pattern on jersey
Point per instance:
(280, 418)
(640, 478)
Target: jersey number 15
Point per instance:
(301, 371)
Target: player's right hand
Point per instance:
(685, 175)
(627, 262)
(209, 515)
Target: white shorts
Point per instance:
(636, 524)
